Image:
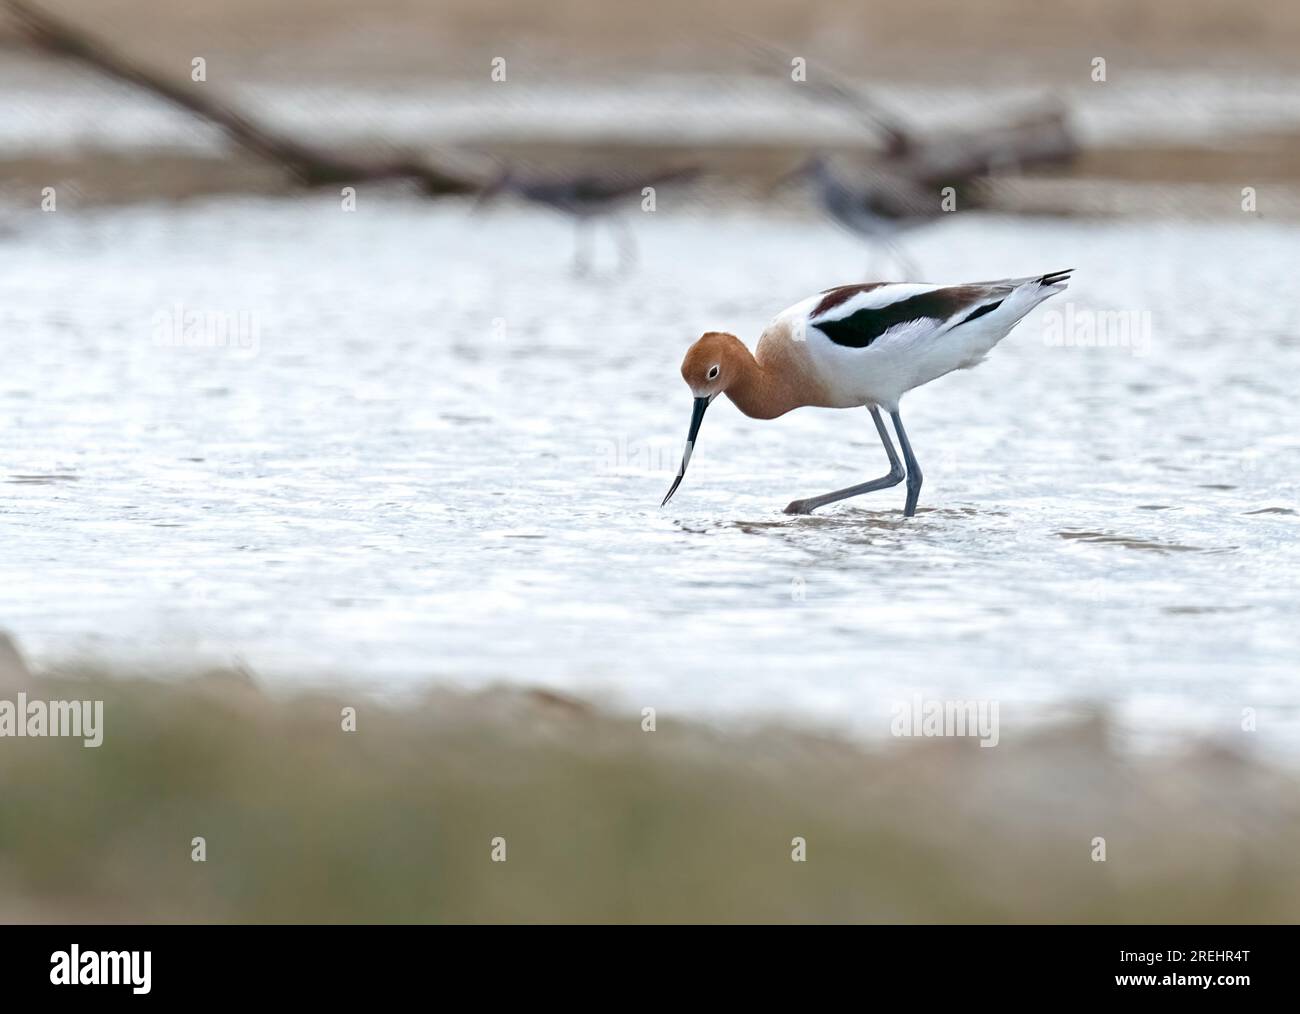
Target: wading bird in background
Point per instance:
(913, 178)
(877, 206)
(889, 196)
(859, 345)
(588, 198)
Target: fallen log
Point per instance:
(1041, 139)
(953, 157)
(311, 165)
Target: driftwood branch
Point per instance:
(309, 164)
(899, 139)
(1042, 139)
(955, 156)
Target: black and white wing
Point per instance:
(855, 316)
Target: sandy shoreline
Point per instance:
(1103, 183)
(1192, 97)
(937, 39)
(602, 820)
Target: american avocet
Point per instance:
(585, 197)
(859, 345)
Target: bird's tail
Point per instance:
(1055, 277)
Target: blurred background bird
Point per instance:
(873, 203)
(588, 197)
(913, 179)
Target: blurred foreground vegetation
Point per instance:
(604, 822)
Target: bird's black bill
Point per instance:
(697, 417)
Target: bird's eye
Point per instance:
(713, 373)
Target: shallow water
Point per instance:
(440, 457)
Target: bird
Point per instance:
(914, 176)
(586, 197)
(859, 345)
(878, 206)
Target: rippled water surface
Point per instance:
(440, 457)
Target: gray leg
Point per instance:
(914, 476)
(894, 477)
(902, 261)
(626, 242)
(582, 235)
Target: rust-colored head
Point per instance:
(712, 363)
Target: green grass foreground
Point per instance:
(604, 822)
